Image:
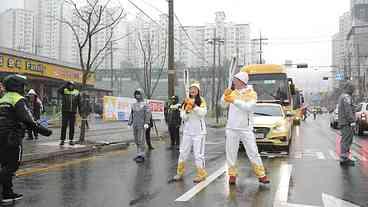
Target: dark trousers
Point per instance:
(148, 137)
(347, 135)
(68, 118)
(31, 133)
(174, 135)
(9, 161)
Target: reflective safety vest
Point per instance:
(10, 98)
(74, 92)
(70, 100)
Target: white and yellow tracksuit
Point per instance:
(240, 128)
(194, 134)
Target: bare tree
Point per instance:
(150, 59)
(90, 20)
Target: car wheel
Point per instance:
(335, 125)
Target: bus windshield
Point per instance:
(270, 87)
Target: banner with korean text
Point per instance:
(119, 108)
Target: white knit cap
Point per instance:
(242, 76)
(32, 92)
(196, 84)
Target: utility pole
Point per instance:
(219, 81)
(213, 41)
(112, 69)
(213, 70)
(171, 65)
(260, 39)
(349, 62)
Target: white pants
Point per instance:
(232, 146)
(198, 142)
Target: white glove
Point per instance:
(353, 124)
(146, 126)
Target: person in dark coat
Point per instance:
(346, 119)
(70, 106)
(86, 108)
(36, 108)
(174, 122)
(15, 117)
(148, 135)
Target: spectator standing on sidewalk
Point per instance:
(139, 120)
(174, 122)
(148, 134)
(86, 108)
(346, 119)
(36, 108)
(70, 105)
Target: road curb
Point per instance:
(89, 149)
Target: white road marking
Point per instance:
(200, 186)
(333, 155)
(298, 155)
(281, 196)
(320, 155)
(283, 188)
(330, 201)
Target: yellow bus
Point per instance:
(271, 83)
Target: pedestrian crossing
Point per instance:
(311, 154)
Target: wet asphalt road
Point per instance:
(114, 179)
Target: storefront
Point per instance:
(45, 75)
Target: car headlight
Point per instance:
(280, 128)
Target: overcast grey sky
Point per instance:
(299, 30)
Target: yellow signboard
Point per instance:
(19, 65)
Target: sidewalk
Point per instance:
(102, 136)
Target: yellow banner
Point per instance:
(19, 65)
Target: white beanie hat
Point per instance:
(196, 84)
(32, 92)
(242, 76)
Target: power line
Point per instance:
(188, 36)
(181, 43)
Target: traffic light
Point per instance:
(302, 65)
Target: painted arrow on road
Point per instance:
(282, 193)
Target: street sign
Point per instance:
(339, 76)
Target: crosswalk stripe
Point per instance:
(200, 186)
(333, 155)
(298, 155)
(320, 155)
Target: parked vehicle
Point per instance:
(334, 119)
(272, 127)
(361, 117)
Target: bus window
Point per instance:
(270, 87)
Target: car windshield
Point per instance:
(270, 86)
(264, 110)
